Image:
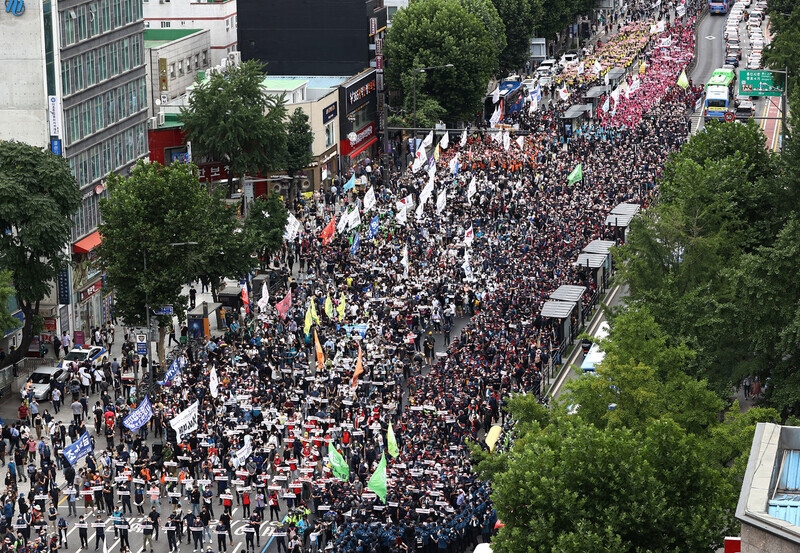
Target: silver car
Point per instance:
(40, 381)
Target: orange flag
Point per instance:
(359, 368)
(329, 231)
(320, 355)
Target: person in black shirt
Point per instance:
(156, 519)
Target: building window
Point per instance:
(78, 71)
(171, 70)
(180, 67)
(189, 64)
(66, 77)
(105, 15)
(107, 166)
(111, 112)
(74, 125)
(330, 134)
(142, 93)
(86, 119)
(69, 27)
(228, 24)
(81, 22)
(126, 57)
(117, 7)
(98, 113)
(102, 64)
(91, 69)
(205, 58)
(122, 106)
(165, 24)
(94, 20)
(113, 59)
(197, 61)
(129, 11)
(136, 52)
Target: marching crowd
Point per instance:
(363, 337)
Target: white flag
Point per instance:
(581, 68)
(563, 93)
(428, 140)
(341, 226)
(615, 94)
(402, 215)
(471, 189)
(404, 261)
(264, 300)
(213, 382)
(496, 95)
(441, 201)
(445, 142)
(354, 219)
(469, 236)
(185, 421)
(453, 164)
(605, 79)
(506, 141)
(369, 199)
(419, 160)
(534, 106)
(419, 211)
(463, 138)
(607, 104)
(520, 142)
(597, 68)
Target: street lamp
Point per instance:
(422, 70)
(147, 317)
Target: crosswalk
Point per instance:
(135, 535)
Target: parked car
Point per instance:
(745, 110)
(42, 381)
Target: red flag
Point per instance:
(359, 368)
(284, 305)
(245, 299)
(329, 231)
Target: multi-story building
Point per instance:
(74, 81)
(174, 58)
(219, 17)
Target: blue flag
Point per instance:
(374, 225)
(356, 244)
(76, 451)
(139, 416)
(172, 372)
(349, 185)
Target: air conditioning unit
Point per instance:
(234, 58)
(152, 123)
(161, 119)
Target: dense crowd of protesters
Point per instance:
(501, 231)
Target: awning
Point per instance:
(85, 245)
(557, 309)
(369, 143)
(568, 293)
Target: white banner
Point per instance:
(369, 199)
(185, 421)
(213, 382)
(241, 456)
(292, 229)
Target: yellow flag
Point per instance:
(309, 320)
(436, 153)
(341, 307)
(329, 306)
(314, 309)
(683, 81)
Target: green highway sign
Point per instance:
(758, 83)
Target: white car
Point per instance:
(569, 59)
(41, 382)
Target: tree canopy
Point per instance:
(438, 32)
(230, 118)
(519, 18)
(265, 225)
(38, 196)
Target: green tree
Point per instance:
(298, 146)
(224, 250)
(486, 12)
(265, 225)
(7, 322)
(519, 18)
(144, 214)
(437, 32)
(38, 196)
(230, 118)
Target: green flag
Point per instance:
(391, 442)
(338, 464)
(683, 80)
(377, 483)
(576, 175)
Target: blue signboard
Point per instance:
(164, 310)
(15, 7)
(141, 344)
(330, 112)
(55, 146)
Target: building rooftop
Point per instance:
(155, 38)
(314, 82)
(271, 83)
(770, 496)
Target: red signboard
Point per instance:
(49, 324)
(210, 172)
(91, 290)
(363, 136)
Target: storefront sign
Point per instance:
(63, 287)
(91, 290)
(55, 146)
(210, 172)
(360, 92)
(50, 324)
(330, 112)
(361, 138)
(63, 315)
(54, 114)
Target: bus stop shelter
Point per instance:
(571, 294)
(561, 310)
(601, 247)
(615, 76)
(575, 117)
(595, 263)
(593, 96)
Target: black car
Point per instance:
(732, 60)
